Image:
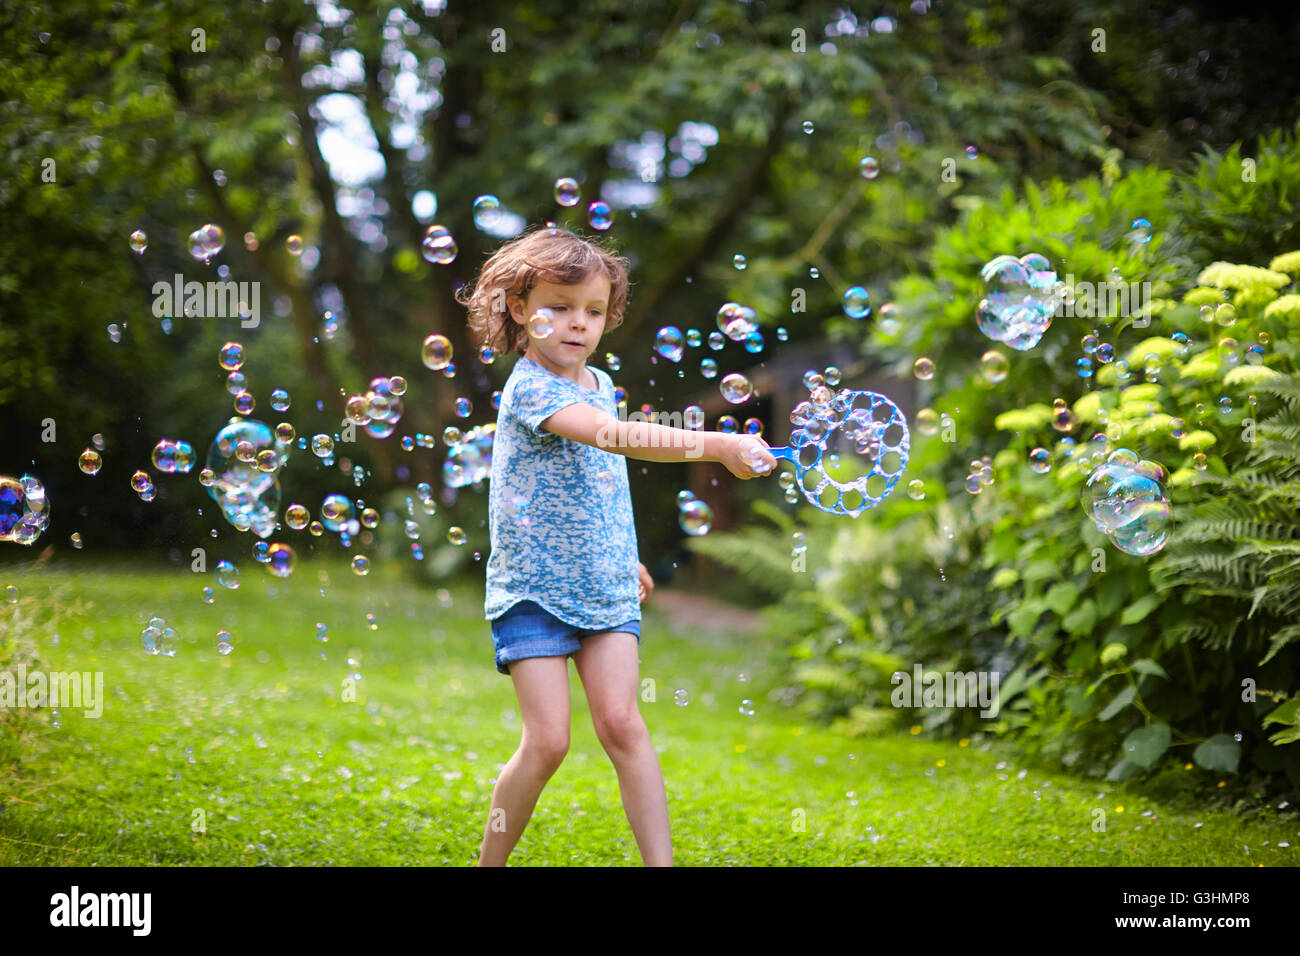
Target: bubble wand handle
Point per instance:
(785, 453)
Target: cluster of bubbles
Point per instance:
(469, 457)
(204, 242)
(1021, 296)
(736, 322)
(24, 511)
(159, 637)
(439, 245)
(380, 408)
(172, 457)
(694, 515)
(981, 474)
(1125, 498)
(242, 473)
(143, 486)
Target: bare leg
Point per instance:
(607, 664)
(542, 686)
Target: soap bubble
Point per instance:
(139, 241)
(1040, 460)
(225, 643)
(600, 216)
(717, 341)
(728, 425)
(695, 517)
(227, 575)
(927, 422)
(456, 536)
(244, 403)
(296, 517)
(994, 366)
(735, 388)
(439, 246)
(541, 325)
(231, 356)
(294, 245)
(487, 212)
(923, 368)
(335, 512)
(1141, 233)
(280, 400)
(668, 343)
(1105, 353)
(360, 565)
(1225, 314)
(436, 352)
(856, 302)
(206, 241)
(567, 192)
(916, 489)
(90, 461)
(739, 262)
(1020, 299)
(735, 321)
(869, 167)
(280, 560)
(173, 457)
(24, 510)
(971, 152)
(708, 368)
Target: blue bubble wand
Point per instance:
(880, 430)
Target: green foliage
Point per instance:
(1112, 664)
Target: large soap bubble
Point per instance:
(1125, 498)
(1019, 299)
(248, 496)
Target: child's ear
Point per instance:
(515, 307)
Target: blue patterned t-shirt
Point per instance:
(559, 511)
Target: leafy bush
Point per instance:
(1109, 663)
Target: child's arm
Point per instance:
(745, 456)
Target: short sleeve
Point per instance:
(538, 397)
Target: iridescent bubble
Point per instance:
(235, 383)
(463, 407)
(716, 341)
(261, 552)
(322, 445)
(228, 575)
(284, 433)
(754, 342)
(994, 366)
(542, 324)
(856, 302)
(139, 241)
(728, 425)
(487, 212)
(76, 540)
(360, 565)
(1225, 314)
(1141, 233)
(739, 262)
(1199, 461)
(681, 698)
(296, 517)
(668, 343)
(231, 356)
(456, 536)
(1040, 460)
(451, 435)
(971, 152)
(1062, 418)
(90, 461)
(735, 388)
(708, 368)
(693, 417)
(208, 595)
(225, 643)
(280, 400)
(1083, 366)
(1143, 528)
(923, 368)
(695, 517)
(735, 321)
(916, 489)
(612, 362)
(436, 352)
(1105, 353)
(752, 426)
(869, 167)
(244, 403)
(139, 482)
(927, 422)
(782, 335)
(600, 215)
(439, 246)
(369, 518)
(335, 512)
(1225, 405)
(693, 338)
(206, 241)
(293, 245)
(567, 192)
(1254, 354)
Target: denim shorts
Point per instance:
(529, 630)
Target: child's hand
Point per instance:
(646, 585)
(746, 456)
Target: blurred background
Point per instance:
(894, 147)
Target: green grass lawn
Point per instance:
(286, 772)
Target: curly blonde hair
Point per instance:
(546, 254)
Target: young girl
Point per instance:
(563, 579)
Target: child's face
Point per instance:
(579, 314)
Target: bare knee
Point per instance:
(547, 747)
(621, 731)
